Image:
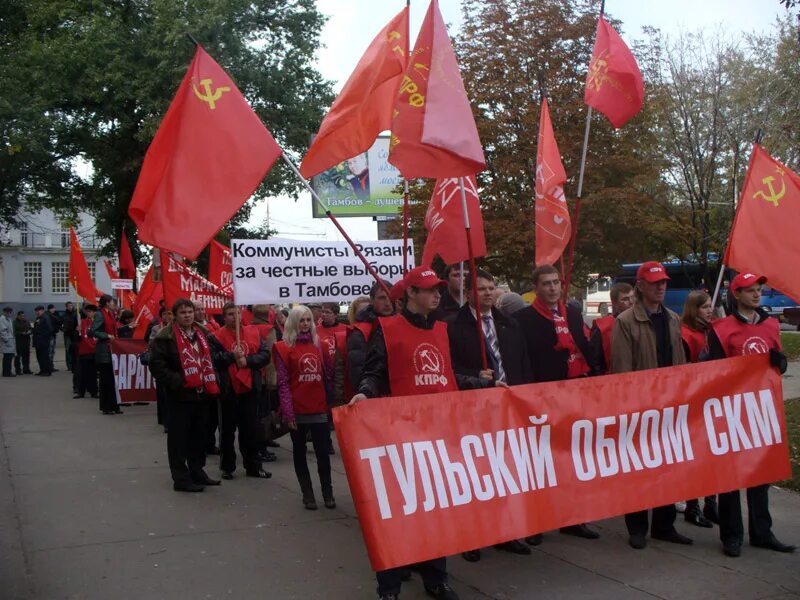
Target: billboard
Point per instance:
(363, 186)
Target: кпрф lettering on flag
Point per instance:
(364, 106)
(207, 158)
(433, 130)
(764, 235)
(614, 83)
(553, 227)
(444, 222)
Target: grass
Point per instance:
(792, 408)
(791, 345)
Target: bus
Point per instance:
(598, 300)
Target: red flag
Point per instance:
(614, 83)
(208, 157)
(433, 131)
(127, 268)
(764, 235)
(444, 222)
(147, 303)
(220, 267)
(182, 282)
(552, 215)
(364, 106)
(79, 275)
(112, 273)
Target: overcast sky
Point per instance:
(353, 24)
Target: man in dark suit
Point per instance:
(506, 355)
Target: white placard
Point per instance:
(280, 271)
(122, 284)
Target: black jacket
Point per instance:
(374, 380)
(223, 359)
(43, 330)
(540, 338)
(716, 351)
(357, 345)
(70, 325)
(165, 365)
(462, 330)
(448, 305)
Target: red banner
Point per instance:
(220, 266)
(534, 458)
(134, 381)
(182, 282)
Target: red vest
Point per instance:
(696, 340)
(419, 359)
(742, 339)
(241, 378)
(87, 344)
(306, 376)
(606, 327)
(264, 329)
(341, 346)
(327, 339)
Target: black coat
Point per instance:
(466, 354)
(43, 330)
(165, 365)
(70, 325)
(357, 345)
(540, 338)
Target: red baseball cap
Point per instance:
(653, 272)
(744, 280)
(422, 277)
(398, 291)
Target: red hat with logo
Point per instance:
(653, 272)
(422, 277)
(745, 280)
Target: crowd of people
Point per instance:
(262, 371)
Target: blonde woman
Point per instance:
(303, 388)
(356, 307)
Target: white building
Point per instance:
(34, 261)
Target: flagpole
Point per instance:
(473, 273)
(406, 195)
(336, 223)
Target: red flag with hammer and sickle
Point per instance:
(553, 226)
(764, 235)
(614, 83)
(207, 158)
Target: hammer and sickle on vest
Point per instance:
(209, 96)
(773, 196)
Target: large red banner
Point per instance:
(133, 379)
(182, 282)
(434, 476)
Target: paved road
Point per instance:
(87, 512)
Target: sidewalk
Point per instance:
(87, 512)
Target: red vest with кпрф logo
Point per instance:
(327, 338)
(695, 340)
(742, 339)
(419, 359)
(605, 325)
(303, 361)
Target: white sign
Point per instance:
(122, 284)
(281, 271)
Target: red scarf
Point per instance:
(196, 362)
(576, 363)
(109, 322)
(241, 378)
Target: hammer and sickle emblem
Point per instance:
(598, 71)
(209, 96)
(773, 196)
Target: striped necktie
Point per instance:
(494, 347)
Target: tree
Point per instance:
(98, 78)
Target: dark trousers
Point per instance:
(43, 358)
(72, 353)
(759, 521)
(238, 412)
(8, 361)
(433, 572)
(663, 521)
(319, 439)
(108, 394)
(211, 430)
(87, 375)
(185, 438)
(69, 351)
(162, 409)
(22, 361)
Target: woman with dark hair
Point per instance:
(126, 325)
(695, 324)
(104, 329)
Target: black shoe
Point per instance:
(331, 450)
(581, 531)
(732, 549)
(267, 456)
(672, 537)
(389, 597)
(695, 517)
(471, 555)
(273, 444)
(9, 375)
(772, 543)
(95, 396)
(227, 475)
(442, 591)
(188, 487)
(118, 412)
(534, 540)
(310, 503)
(55, 370)
(202, 478)
(637, 541)
(330, 502)
(43, 374)
(213, 451)
(710, 512)
(259, 473)
(514, 546)
(27, 372)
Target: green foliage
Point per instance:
(88, 82)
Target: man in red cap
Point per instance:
(648, 336)
(409, 354)
(747, 330)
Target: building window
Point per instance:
(65, 241)
(92, 270)
(60, 280)
(23, 234)
(32, 275)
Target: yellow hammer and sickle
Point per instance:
(774, 196)
(209, 96)
(393, 35)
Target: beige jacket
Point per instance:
(633, 344)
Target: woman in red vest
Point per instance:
(303, 387)
(695, 324)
